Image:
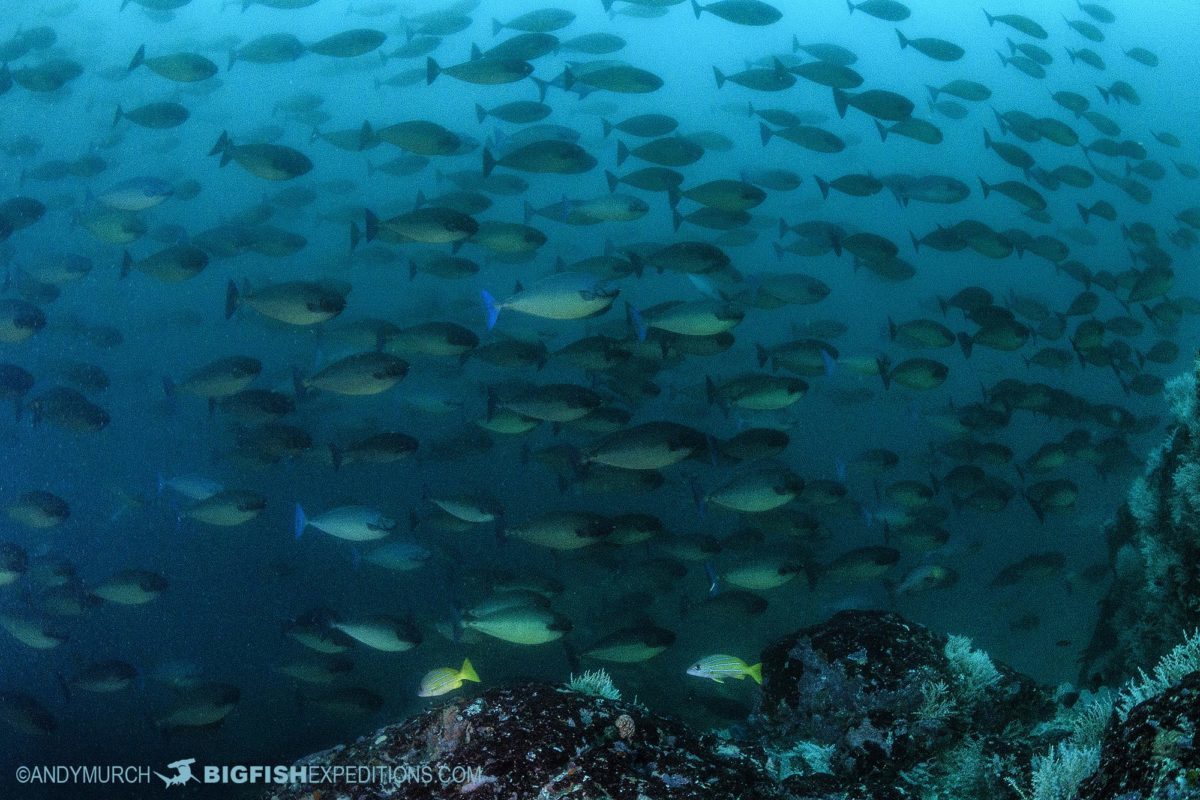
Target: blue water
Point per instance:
(231, 590)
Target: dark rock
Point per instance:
(538, 741)
(881, 697)
(1154, 552)
(1155, 752)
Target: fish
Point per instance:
(741, 12)
(386, 633)
(352, 522)
(101, 677)
(444, 680)
(719, 667)
(272, 162)
(178, 67)
(631, 645)
(357, 375)
(561, 296)
(522, 625)
(203, 706)
(292, 302)
(131, 587)
(39, 509)
(23, 713)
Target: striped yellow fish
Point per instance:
(719, 667)
(446, 679)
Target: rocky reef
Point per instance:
(869, 704)
(539, 742)
(1154, 547)
(1153, 752)
(864, 706)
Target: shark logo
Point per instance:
(183, 773)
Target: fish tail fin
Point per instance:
(336, 456)
(883, 132)
(696, 9)
(231, 298)
(1036, 506)
(493, 402)
(225, 148)
(370, 225)
(823, 185)
(761, 354)
(569, 650)
(755, 672)
(432, 70)
(966, 342)
(63, 685)
(636, 321)
(841, 99)
(138, 59)
(916, 243)
(490, 308)
(639, 264)
(622, 153)
(480, 113)
(298, 387)
(126, 264)
(118, 115)
(673, 197)
(1084, 213)
(903, 39)
(714, 580)
(467, 671)
(698, 497)
(489, 162)
(720, 76)
(299, 522)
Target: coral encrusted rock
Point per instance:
(880, 704)
(1154, 753)
(540, 742)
